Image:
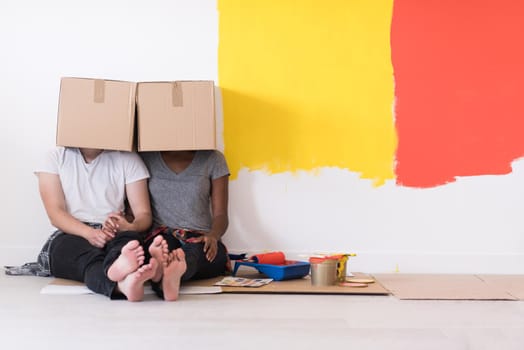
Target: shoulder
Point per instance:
(213, 155)
(152, 160)
(148, 157)
(126, 157)
(60, 152)
(127, 160)
(131, 164)
(215, 163)
(59, 155)
(56, 159)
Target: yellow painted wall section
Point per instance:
(307, 84)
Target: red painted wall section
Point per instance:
(459, 76)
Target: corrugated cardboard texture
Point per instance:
(96, 113)
(512, 284)
(176, 116)
(295, 286)
(403, 286)
(445, 287)
(65, 283)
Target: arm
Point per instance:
(219, 199)
(219, 202)
(53, 199)
(138, 198)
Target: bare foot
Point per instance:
(130, 259)
(159, 250)
(132, 286)
(176, 266)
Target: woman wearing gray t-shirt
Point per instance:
(189, 200)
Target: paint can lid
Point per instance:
(319, 259)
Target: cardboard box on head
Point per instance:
(96, 113)
(178, 115)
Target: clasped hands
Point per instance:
(115, 222)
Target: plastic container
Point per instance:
(341, 266)
(324, 270)
(290, 269)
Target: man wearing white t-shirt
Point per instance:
(84, 191)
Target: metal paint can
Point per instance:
(323, 271)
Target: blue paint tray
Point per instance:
(289, 270)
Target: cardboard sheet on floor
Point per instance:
(59, 286)
(512, 284)
(294, 286)
(441, 287)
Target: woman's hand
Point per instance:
(210, 245)
(116, 222)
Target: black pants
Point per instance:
(198, 267)
(73, 257)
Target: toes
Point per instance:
(158, 240)
(153, 262)
(131, 245)
(180, 254)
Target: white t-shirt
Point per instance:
(93, 190)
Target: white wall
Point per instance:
(473, 225)
(42, 41)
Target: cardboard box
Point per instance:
(177, 115)
(95, 113)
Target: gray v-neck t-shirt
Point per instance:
(183, 200)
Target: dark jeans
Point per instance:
(198, 267)
(73, 257)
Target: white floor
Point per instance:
(30, 320)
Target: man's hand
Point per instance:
(98, 237)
